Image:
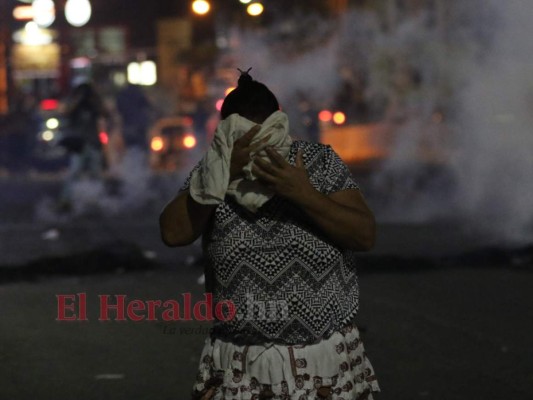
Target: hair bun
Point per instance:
(245, 76)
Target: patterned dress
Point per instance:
(292, 333)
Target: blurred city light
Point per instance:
(23, 13)
(143, 73)
(78, 12)
(255, 9)
(325, 115)
(44, 12)
(148, 73)
(229, 90)
(47, 136)
(245, 1)
(134, 73)
(80, 62)
(49, 104)
(52, 123)
(32, 35)
(339, 118)
(201, 7)
(157, 144)
(119, 78)
(104, 138)
(189, 141)
(218, 104)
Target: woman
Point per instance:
(287, 267)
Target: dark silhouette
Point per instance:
(134, 109)
(85, 113)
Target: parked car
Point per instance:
(172, 143)
(48, 138)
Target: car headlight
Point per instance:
(47, 136)
(157, 143)
(189, 141)
(52, 123)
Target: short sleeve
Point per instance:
(337, 175)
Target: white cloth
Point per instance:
(210, 182)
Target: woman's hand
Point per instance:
(343, 215)
(283, 178)
(242, 148)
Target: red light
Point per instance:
(325, 115)
(218, 104)
(49, 104)
(187, 121)
(104, 138)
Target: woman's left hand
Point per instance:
(283, 178)
(343, 215)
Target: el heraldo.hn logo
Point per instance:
(74, 307)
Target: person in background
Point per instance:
(85, 113)
(288, 267)
(134, 109)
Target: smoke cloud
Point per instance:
(464, 90)
(493, 163)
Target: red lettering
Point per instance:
(105, 307)
(135, 305)
(152, 304)
(172, 314)
(231, 310)
(187, 307)
(62, 307)
(208, 304)
(82, 309)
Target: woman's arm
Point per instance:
(183, 220)
(343, 216)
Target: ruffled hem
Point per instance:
(335, 368)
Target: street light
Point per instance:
(255, 9)
(32, 35)
(78, 12)
(44, 12)
(200, 7)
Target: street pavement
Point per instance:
(436, 323)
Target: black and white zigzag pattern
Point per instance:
(289, 283)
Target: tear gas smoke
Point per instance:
(494, 163)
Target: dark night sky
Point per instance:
(138, 15)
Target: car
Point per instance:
(47, 151)
(172, 142)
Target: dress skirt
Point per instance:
(335, 368)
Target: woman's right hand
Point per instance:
(242, 148)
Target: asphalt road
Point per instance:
(453, 333)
